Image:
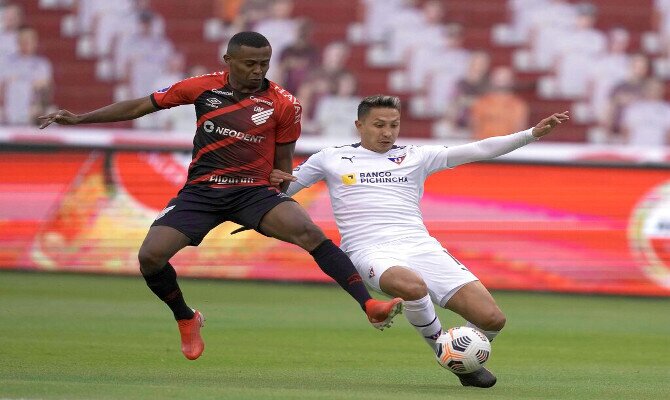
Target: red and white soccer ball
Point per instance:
(462, 350)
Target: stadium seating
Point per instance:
(78, 88)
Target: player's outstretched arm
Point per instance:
(121, 111)
(548, 124)
(498, 145)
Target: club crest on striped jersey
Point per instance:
(398, 160)
(261, 115)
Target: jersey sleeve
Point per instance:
(288, 125)
(182, 92)
(311, 170)
(434, 158)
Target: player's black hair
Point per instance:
(377, 101)
(247, 38)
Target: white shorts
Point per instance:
(441, 272)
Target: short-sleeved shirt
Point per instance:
(236, 133)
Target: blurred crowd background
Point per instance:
(464, 69)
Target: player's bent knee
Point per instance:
(493, 321)
(150, 261)
(415, 290)
(310, 236)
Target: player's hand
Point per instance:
(277, 177)
(548, 124)
(63, 117)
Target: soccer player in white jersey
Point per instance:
(375, 188)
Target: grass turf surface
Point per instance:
(104, 337)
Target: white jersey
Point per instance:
(375, 196)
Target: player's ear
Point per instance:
(226, 58)
(358, 124)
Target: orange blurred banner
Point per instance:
(587, 229)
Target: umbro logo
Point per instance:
(213, 102)
(349, 158)
(261, 117)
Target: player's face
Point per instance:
(248, 66)
(379, 129)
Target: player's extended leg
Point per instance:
(289, 222)
(160, 244)
(419, 309)
(474, 303)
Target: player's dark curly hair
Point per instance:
(377, 101)
(247, 38)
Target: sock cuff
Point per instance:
(419, 304)
(323, 246)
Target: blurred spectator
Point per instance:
(500, 110)
(181, 119)
(609, 70)
(378, 15)
(12, 19)
(27, 81)
(549, 24)
(175, 71)
(646, 122)
(310, 93)
(411, 28)
(624, 93)
(579, 49)
(280, 29)
(323, 80)
(334, 60)
(583, 37)
(334, 112)
(249, 13)
(228, 10)
(468, 89)
(298, 59)
(142, 56)
(523, 12)
(438, 77)
(109, 21)
(662, 19)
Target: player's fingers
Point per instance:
(286, 176)
(46, 123)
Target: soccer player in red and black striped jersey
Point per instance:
(246, 126)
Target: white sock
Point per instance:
(489, 334)
(421, 314)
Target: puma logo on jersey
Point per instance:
(261, 117)
(349, 179)
(349, 158)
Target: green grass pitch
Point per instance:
(103, 337)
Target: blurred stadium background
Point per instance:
(587, 210)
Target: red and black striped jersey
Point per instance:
(236, 133)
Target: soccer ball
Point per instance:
(462, 350)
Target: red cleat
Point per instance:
(192, 344)
(381, 313)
